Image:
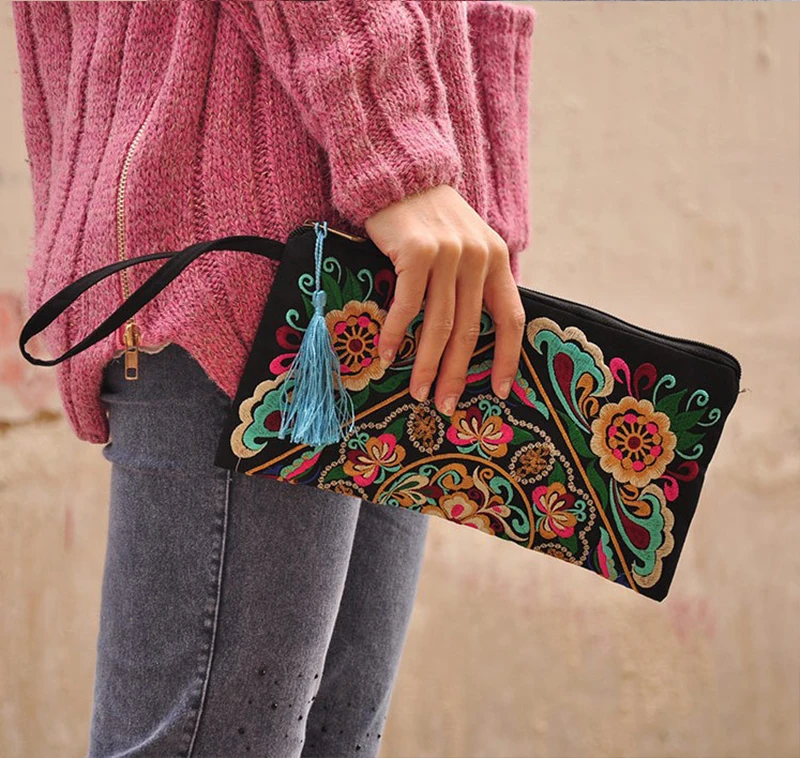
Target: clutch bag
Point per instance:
(597, 457)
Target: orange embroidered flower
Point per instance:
(554, 504)
(379, 453)
(468, 429)
(633, 441)
(354, 332)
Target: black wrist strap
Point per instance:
(176, 263)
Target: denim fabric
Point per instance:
(240, 616)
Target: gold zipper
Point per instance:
(132, 335)
(346, 235)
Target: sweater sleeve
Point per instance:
(364, 78)
(500, 36)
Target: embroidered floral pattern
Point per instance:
(378, 454)
(464, 495)
(586, 460)
(460, 507)
(633, 441)
(354, 332)
(558, 512)
(532, 461)
(260, 417)
(425, 428)
(480, 430)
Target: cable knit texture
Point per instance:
(153, 125)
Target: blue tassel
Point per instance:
(320, 406)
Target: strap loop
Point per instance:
(157, 281)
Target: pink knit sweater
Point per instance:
(153, 125)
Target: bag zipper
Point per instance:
(700, 348)
(694, 346)
(132, 334)
(309, 224)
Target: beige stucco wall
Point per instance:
(666, 189)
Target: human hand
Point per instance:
(444, 252)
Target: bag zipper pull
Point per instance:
(132, 338)
(346, 235)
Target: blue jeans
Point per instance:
(240, 616)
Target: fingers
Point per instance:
(438, 319)
(409, 292)
(445, 255)
(466, 328)
(455, 278)
(505, 306)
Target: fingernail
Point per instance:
(422, 392)
(449, 405)
(505, 388)
(386, 359)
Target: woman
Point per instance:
(239, 615)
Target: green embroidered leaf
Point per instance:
(576, 437)
(557, 474)
(669, 403)
(521, 435)
(360, 397)
(686, 420)
(351, 289)
(571, 543)
(332, 291)
(687, 440)
(597, 480)
(396, 428)
(391, 382)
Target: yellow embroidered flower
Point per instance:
(354, 332)
(379, 453)
(633, 441)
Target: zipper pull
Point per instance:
(346, 235)
(132, 340)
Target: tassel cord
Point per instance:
(320, 405)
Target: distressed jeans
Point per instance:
(240, 616)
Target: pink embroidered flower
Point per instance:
(490, 435)
(379, 453)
